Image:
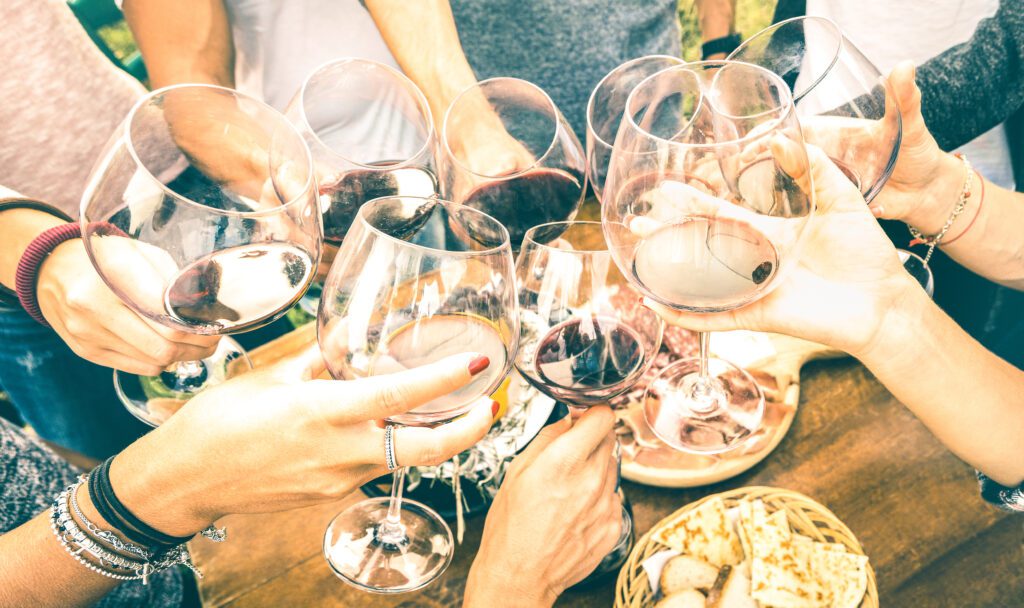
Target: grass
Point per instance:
(751, 16)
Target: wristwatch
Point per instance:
(725, 44)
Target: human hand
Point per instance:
(925, 181)
(555, 518)
(99, 327)
(477, 138)
(279, 438)
(847, 280)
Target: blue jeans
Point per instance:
(65, 399)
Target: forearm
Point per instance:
(38, 571)
(424, 40)
(18, 227)
(717, 18)
(972, 400)
(187, 41)
(986, 236)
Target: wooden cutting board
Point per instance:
(774, 361)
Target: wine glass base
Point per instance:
(360, 553)
(153, 399)
(704, 422)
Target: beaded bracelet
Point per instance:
(933, 241)
(75, 541)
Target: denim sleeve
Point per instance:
(1008, 499)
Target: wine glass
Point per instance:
(605, 107)
(399, 295)
(201, 215)
(584, 338)
(371, 134)
(707, 198)
(841, 101)
(512, 155)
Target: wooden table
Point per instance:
(853, 447)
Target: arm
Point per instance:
(972, 400)
(926, 184)
(84, 312)
(976, 85)
(165, 479)
(423, 39)
(183, 41)
(717, 20)
(849, 291)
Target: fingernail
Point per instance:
(495, 406)
(478, 365)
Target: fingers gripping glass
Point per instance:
(705, 205)
(201, 215)
(416, 280)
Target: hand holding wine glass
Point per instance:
(556, 516)
(98, 326)
(839, 293)
(705, 206)
(416, 280)
(925, 181)
(200, 242)
(288, 407)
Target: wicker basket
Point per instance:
(805, 517)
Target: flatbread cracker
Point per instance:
(705, 533)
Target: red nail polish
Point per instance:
(495, 406)
(478, 365)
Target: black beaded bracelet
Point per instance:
(125, 517)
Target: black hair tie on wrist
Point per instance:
(725, 44)
(118, 515)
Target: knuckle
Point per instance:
(393, 396)
(165, 353)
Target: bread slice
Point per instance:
(731, 590)
(704, 532)
(686, 572)
(690, 598)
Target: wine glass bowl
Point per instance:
(844, 104)
(605, 108)
(706, 204)
(201, 215)
(584, 337)
(416, 280)
(371, 134)
(392, 303)
(512, 155)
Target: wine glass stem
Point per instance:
(705, 338)
(703, 393)
(391, 529)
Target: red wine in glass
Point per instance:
(240, 287)
(536, 197)
(341, 198)
(587, 360)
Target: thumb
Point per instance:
(833, 191)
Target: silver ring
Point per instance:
(389, 448)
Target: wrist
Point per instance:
(940, 197)
(493, 586)
(898, 327)
(157, 493)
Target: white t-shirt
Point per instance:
(889, 31)
(279, 42)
